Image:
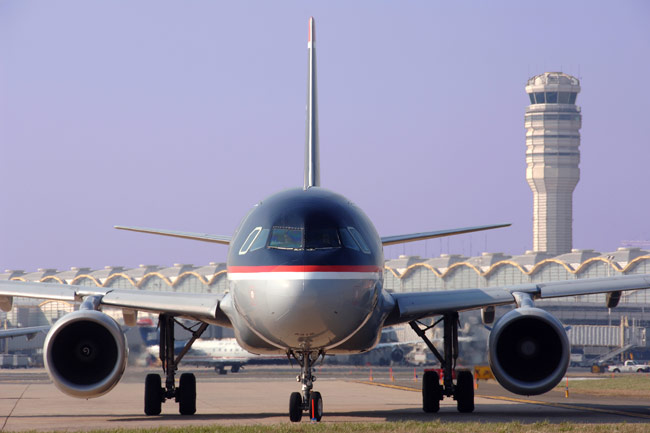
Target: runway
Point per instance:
(260, 395)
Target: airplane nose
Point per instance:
(309, 312)
(324, 312)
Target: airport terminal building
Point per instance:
(404, 274)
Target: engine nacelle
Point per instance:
(529, 351)
(85, 353)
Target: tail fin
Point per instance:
(312, 160)
(149, 335)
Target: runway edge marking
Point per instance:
(521, 400)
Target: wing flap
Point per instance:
(204, 237)
(400, 239)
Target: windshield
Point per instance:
(318, 239)
(286, 238)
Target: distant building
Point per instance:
(552, 121)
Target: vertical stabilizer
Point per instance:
(312, 160)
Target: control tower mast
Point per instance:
(553, 121)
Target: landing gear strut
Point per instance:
(432, 391)
(310, 401)
(185, 393)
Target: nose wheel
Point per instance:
(310, 401)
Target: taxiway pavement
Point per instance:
(260, 395)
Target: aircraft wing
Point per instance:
(413, 306)
(30, 331)
(400, 239)
(205, 237)
(193, 305)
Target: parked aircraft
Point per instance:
(214, 353)
(29, 332)
(305, 279)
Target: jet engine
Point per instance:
(529, 351)
(85, 353)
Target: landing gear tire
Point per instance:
(464, 393)
(234, 368)
(152, 395)
(220, 370)
(315, 406)
(295, 407)
(187, 394)
(431, 392)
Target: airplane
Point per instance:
(305, 275)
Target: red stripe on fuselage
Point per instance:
(303, 268)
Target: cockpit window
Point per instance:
(324, 238)
(249, 240)
(357, 237)
(286, 238)
(347, 240)
(260, 240)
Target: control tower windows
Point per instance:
(572, 97)
(553, 97)
(563, 98)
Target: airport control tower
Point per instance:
(552, 122)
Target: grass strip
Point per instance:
(401, 427)
(622, 385)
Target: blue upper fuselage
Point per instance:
(314, 227)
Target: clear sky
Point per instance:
(182, 115)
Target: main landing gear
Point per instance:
(432, 391)
(185, 393)
(310, 401)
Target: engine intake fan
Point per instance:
(85, 353)
(528, 351)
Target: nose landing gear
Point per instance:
(310, 401)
